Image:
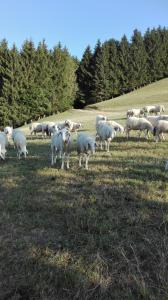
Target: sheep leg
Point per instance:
(63, 160)
(80, 160)
(163, 138)
(67, 161)
(86, 162)
(52, 156)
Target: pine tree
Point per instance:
(84, 78)
(63, 79)
(124, 64)
(113, 67)
(99, 89)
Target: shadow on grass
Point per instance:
(83, 235)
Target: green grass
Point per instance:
(96, 234)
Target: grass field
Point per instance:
(96, 234)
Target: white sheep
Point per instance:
(134, 112)
(19, 140)
(140, 124)
(117, 127)
(3, 145)
(35, 127)
(61, 144)
(85, 147)
(153, 109)
(106, 133)
(100, 118)
(74, 127)
(160, 128)
(8, 131)
(52, 129)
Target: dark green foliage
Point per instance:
(84, 78)
(120, 67)
(35, 82)
(99, 65)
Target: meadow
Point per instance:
(96, 234)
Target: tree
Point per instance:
(84, 78)
(138, 64)
(124, 64)
(99, 63)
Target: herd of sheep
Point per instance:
(106, 130)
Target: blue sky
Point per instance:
(77, 23)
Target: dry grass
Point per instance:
(76, 234)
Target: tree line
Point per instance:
(118, 67)
(36, 81)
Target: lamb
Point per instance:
(105, 133)
(141, 124)
(3, 145)
(61, 143)
(159, 129)
(19, 141)
(85, 147)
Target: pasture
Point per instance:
(96, 234)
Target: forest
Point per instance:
(37, 81)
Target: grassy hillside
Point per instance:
(152, 94)
(96, 234)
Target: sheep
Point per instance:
(153, 109)
(34, 128)
(159, 129)
(100, 118)
(3, 145)
(134, 112)
(8, 131)
(117, 126)
(61, 143)
(105, 133)
(51, 129)
(73, 127)
(85, 147)
(19, 141)
(166, 165)
(141, 124)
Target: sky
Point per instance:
(78, 23)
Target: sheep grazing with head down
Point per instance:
(19, 140)
(61, 144)
(3, 145)
(140, 124)
(117, 127)
(105, 133)
(153, 109)
(85, 147)
(135, 112)
(160, 128)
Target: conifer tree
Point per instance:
(99, 89)
(124, 64)
(138, 64)
(84, 78)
